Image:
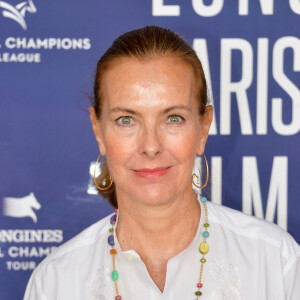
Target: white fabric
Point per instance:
(248, 259)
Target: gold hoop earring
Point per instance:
(111, 180)
(207, 177)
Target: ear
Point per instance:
(205, 123)
(97, 130)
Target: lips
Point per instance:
(152, 170)
(152, 173)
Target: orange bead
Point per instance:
(113, 251)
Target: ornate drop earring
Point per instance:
(104, 181)
(207, 177)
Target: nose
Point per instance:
(151, 144)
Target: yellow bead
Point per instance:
(203, 248)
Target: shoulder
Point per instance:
(83, 242)
(68, 269)
(255, 230)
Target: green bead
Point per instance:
(198, 293)
(114, 275)
(206, 225)
(203, 260)
(111, 230)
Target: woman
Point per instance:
(151, 118)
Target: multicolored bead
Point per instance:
(111, 240)
(205, 234)
(113, 251)
(203, 248)
(203, 199)
(113, 219)
(114, 275)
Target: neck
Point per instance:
(160, 231)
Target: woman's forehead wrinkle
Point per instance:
(149, 94)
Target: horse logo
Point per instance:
(21, 207)
(17, 13)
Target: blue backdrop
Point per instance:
(48, 53)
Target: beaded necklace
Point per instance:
(203, 249)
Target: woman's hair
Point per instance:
(144, 44)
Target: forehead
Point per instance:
(148, 82)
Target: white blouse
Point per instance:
(248, 259)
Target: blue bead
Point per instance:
(111, 240)
(203, 199)
(205, 234)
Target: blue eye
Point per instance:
(124, 121)
(175, 119)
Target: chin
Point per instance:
(154, 195)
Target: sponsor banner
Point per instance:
(250, 51)
(34, 44)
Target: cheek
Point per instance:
(182, 144)
(119, 148)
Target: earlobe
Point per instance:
(97, 130)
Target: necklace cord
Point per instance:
(203, 249)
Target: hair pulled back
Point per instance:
(144, 44)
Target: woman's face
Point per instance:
(150, 120)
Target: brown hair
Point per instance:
(143, 44)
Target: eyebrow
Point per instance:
(168, 109)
